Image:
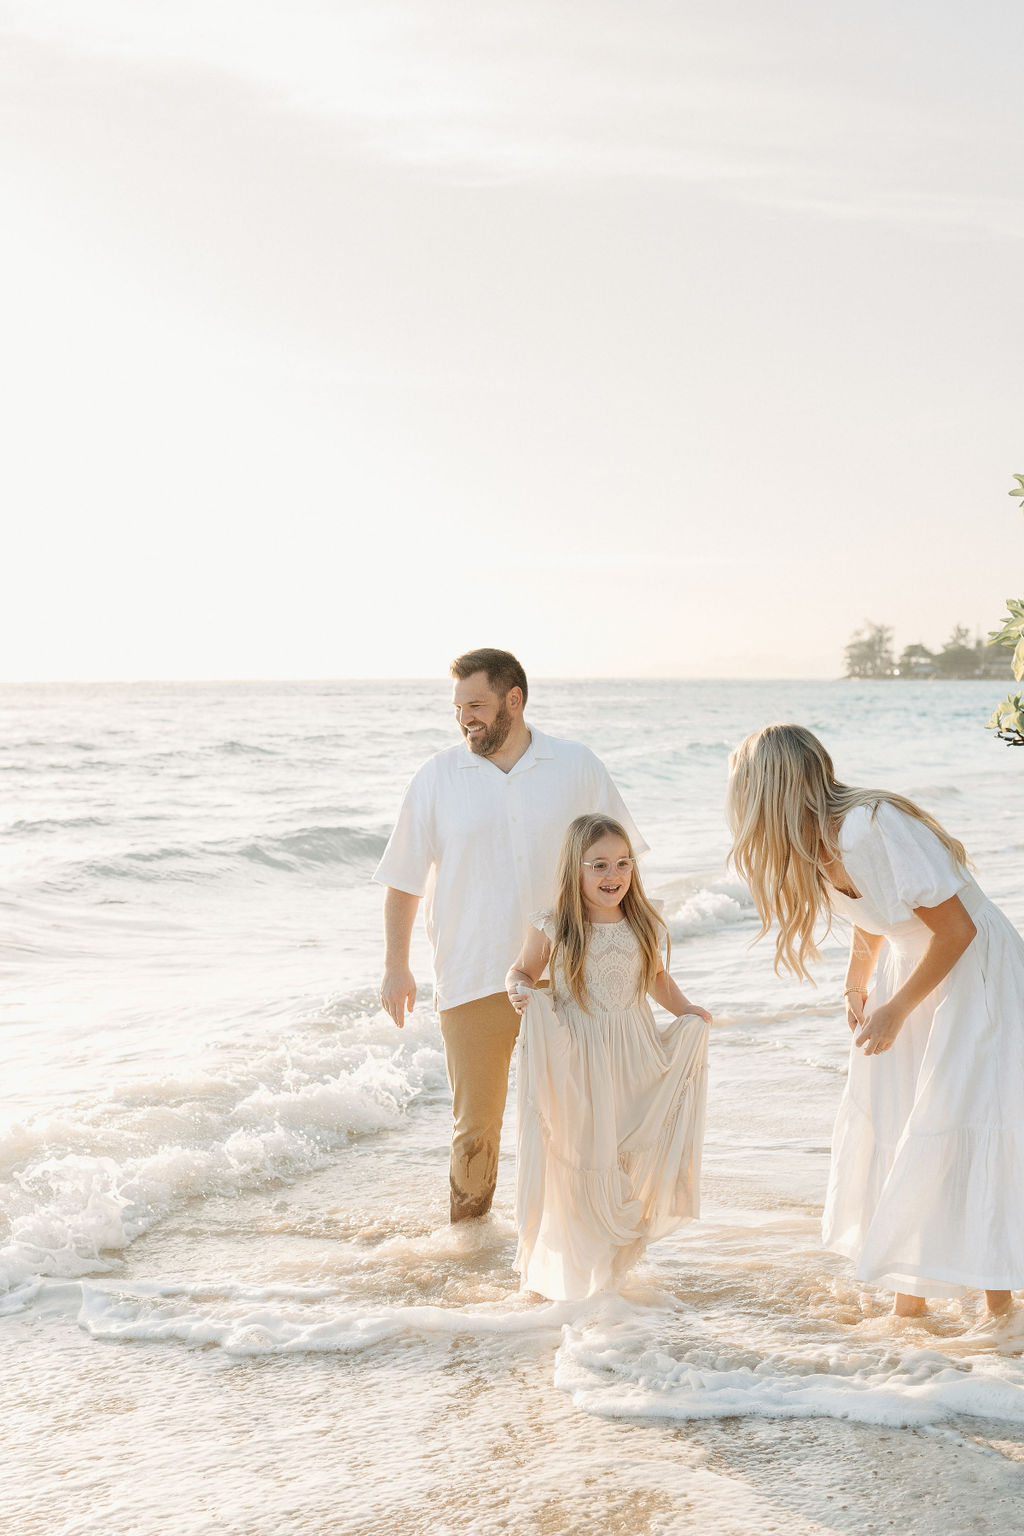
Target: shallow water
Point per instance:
(231, 1301)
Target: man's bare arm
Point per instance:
(398, 989)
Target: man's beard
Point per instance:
(494, 736)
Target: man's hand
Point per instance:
(398, 993)
(398, 989)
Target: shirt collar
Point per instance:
(540, 747)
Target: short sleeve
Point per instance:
(897, 862)
(406, 861)
(544, 922)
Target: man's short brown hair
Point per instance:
(504, 672)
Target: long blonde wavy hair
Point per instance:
(785, 808)
(572, 925)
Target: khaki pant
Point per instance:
(478, 1041)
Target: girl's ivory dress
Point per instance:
(610, 1122)
(926, 1191)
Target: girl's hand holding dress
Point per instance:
(518, 985)
(528, 968)
(668, 994)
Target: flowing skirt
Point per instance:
(926, 1192)
(609, 1138)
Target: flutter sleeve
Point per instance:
(544, 922)
(897, 862)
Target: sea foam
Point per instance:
(693, 907)
(618, 1371)
(281, 1113)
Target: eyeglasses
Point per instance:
(602, 866)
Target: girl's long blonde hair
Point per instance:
(785, 807)
(572, 926)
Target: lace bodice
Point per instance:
(612, 966)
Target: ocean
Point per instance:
(230, 1300)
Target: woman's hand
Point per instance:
(701, 1013)
(879, 1030)
(952, 932)
(856, 999)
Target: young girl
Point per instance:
(611, 1107)
(926, 1191)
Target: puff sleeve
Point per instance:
(544, 922)
(897, 862)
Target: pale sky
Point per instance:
(658, 339)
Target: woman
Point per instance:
(926, 1191)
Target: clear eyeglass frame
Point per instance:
(605, 866)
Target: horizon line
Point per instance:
(540, 677)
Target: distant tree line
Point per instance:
(1008, 719)
(870, 654)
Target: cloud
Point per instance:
(783, 109)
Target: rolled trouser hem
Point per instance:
(462, 1207)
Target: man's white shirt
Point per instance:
(482, 847)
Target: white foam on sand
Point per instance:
(638, 1356)
(627, 1370)
(246, 1321)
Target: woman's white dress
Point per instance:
(610, 1123)
(926, 1191)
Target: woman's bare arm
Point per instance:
(864, 952)
(952, 930)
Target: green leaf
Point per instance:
(1013, 625)
(1009, 715)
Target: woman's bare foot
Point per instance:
(908, 1306)
(1001, 1330)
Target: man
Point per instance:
(478, 835)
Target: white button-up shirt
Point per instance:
(482, 846)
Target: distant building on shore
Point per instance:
(870, 654)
